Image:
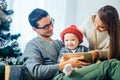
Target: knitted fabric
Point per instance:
(72, 29)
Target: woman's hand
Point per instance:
(95, 54)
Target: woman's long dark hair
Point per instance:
(109, 16)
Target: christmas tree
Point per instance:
(9, 48)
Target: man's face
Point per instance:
(45, 27)
(99, 25)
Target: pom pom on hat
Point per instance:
(72, 29)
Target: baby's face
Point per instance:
(71, 41)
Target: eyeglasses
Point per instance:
(47, 25)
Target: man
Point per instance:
(41, 53)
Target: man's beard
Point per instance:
(45, 35)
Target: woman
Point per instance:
(97, 36)
(111, 24)
(107, 19)
(98, 40)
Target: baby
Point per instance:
(72, 39)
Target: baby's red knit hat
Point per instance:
(72, 29)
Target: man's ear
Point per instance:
(34, 29)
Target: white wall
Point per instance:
(87, 7)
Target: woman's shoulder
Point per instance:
(88, 20)
(87, 24)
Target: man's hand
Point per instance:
(62, 59)
(76, 62)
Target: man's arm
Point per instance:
(36, 65)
